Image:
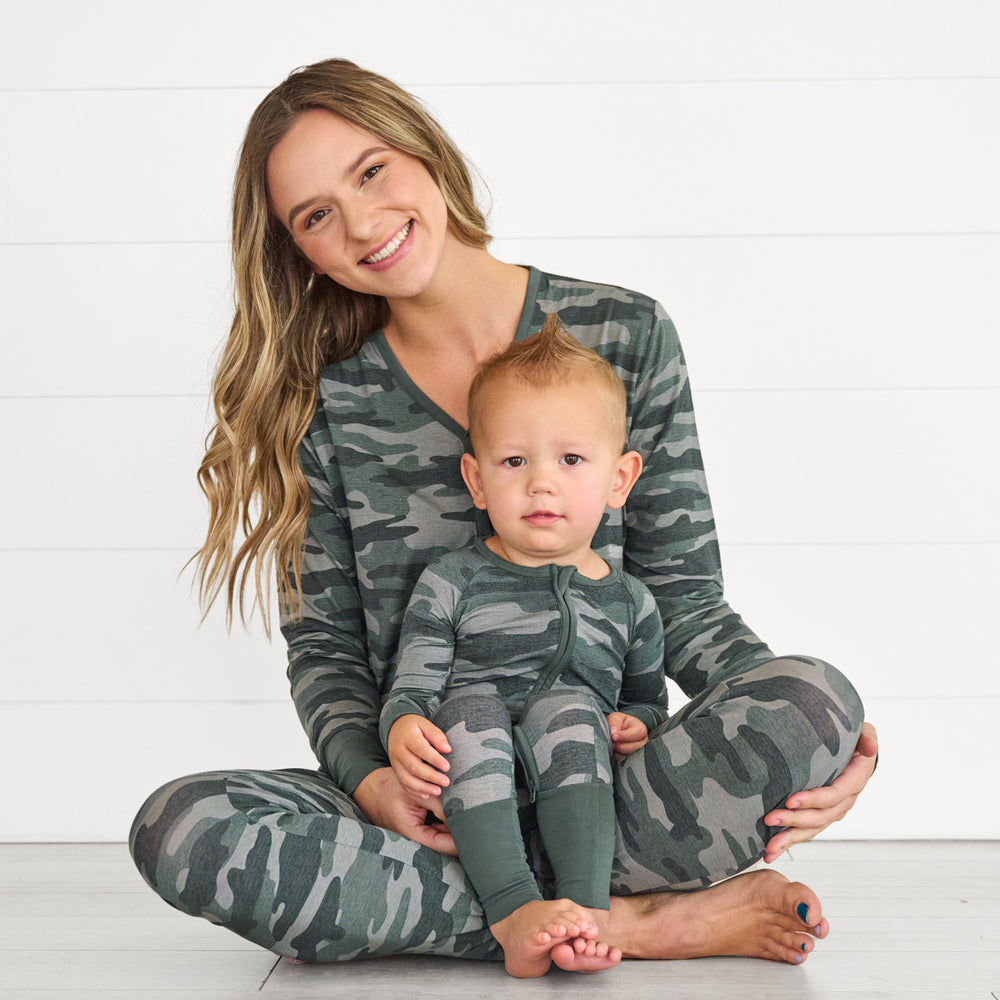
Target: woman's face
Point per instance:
(367, 215)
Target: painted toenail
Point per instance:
(803, 946)
(803, 911)
(798, 959)
(816, 928)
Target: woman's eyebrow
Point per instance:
(364, 156)
(347, 173)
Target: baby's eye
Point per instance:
(572, 459)
(514, 462)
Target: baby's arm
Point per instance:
(627, 733)
(415, 747)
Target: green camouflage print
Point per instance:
(286, 859)
(383, 464)
(564, 747)
(479, 624)
(481, 802)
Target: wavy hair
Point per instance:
(289, 323)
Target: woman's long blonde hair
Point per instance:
(289, 323)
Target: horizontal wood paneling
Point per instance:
(753, 313)
(124, 626)
(104, 472)
(146, 166)
(99, 320)
(626, 160)
(120, 626)
(809, 157)
(852, 466)
(795, 466)
(900, 620)
(446, 41)
(88, 767)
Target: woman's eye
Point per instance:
(572, 459)
(514, 462)
(315, 217)
(371, 172)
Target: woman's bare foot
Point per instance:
(759, 915)
(530, 933)
(580, 955)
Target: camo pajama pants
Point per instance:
(563, 745)
(285, 859)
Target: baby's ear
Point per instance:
(473, 480)
(627, 472)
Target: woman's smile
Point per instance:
(392, 250)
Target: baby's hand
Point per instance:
(415, 746)
(627, 733)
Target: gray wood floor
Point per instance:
(913, 919)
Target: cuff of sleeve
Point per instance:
(648, 716)
(349, 757)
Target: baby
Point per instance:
(527, 659)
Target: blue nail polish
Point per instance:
(803, 946)
(798, 959)
(803, 911)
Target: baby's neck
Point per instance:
(587, 563)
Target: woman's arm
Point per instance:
(670, 542)
(336, 695)
(672, 547)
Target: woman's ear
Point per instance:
(626, 473)
(473, 480)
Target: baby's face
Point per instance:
(547, 464)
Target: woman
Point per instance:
(362, 268)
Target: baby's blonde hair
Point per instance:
(550, 357)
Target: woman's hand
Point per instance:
(388, 805)
(807, 813)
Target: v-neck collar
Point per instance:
(417, 394)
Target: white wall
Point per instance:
(809, 188)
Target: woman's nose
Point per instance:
(360, 222)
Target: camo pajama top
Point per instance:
(383, 465)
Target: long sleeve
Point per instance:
(644, 690)
(426, 653)
(670, 543)
(333, 687)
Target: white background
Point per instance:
(809, 188)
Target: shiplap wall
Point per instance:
(809, 188)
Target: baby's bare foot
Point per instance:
(581, 955)
(529, 934)
(759, 915)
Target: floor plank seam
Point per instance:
(270, 972)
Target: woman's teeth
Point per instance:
(392, 246)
